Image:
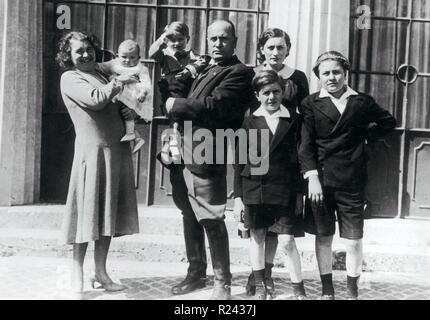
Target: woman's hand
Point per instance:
(126, 79)
(315, 189)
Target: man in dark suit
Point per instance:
(337, 123)
(218, 99)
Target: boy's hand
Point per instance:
(239, 207)
(315, 190)
(183, 75)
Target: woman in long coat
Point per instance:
(101, 201)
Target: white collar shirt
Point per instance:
(340, 103)
(272, 119)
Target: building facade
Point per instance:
(387, 41)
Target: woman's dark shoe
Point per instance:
(250, 285)
(189, 284)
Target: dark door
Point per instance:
(391, 61)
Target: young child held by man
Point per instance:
(136, 96)
(271, 199)
(179, 67)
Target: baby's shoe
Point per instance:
(138, 143)
(128, 137)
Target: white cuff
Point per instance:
(311, 173)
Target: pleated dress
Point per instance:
(101, 199)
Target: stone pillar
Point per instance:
(314, 26)
(21, 91)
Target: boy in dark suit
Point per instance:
(337, 123)
(269, 197)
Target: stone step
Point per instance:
(170, 248)
(168, 221)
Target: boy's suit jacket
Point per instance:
(334, 144)
(218, 99)
(282, 179)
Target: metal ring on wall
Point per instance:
(407, 74)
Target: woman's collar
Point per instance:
(286, 72)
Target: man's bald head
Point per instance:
(221, 40)
(227, 24)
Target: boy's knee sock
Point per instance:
(352, 286)
(268, 270)
(327, 284)
(259, 276)
(299, 289)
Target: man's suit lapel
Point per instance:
(209, 74)
(205, 78)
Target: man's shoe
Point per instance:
(188, 285)
(351, 297)
(221, 293)
(327, 297)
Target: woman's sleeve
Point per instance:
(82, 93)
(303, 87)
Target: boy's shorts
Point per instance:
(348, 204)
(277, 218)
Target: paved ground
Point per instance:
(47, 279)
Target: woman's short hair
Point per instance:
(64, 58)
(268, 34)
(265, 78)
(331, 56)
(179, 28)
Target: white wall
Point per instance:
(315, 26)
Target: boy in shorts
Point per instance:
(337, 124)
(272, 200)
